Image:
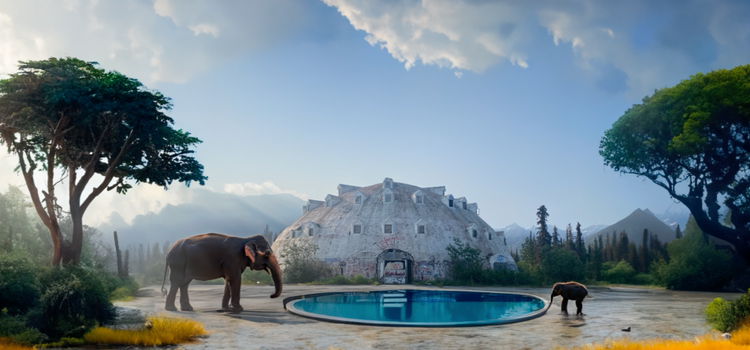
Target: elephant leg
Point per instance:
(564, 305)
(579, 307)
(225, 298)
(184, 299)
(171, 297)
(234, 284)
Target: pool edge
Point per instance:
(289, 306)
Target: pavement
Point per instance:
(265, 324)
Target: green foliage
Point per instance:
(620, 272)
(467, 265)
(14, 328)
(644, 279)
(256, 277)
(19, 283)
(693, 133)
(300, 264)
(74, 300)
(339, 279)
(727, 316)
(694, 264)
(561, 265)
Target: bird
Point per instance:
(626, 329)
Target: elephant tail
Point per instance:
(164, 290)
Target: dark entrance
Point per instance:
(395, 266)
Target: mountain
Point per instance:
(515, 234)
(674, 218)
(208, 211)
(634, 224)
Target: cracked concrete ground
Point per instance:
(264, 324)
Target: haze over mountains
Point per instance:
(208, 211)
(663, 225)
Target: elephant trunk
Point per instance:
(273, 265)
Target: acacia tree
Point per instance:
(693, 140)
(71, 120)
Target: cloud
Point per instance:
(253, 189)
(153, 41)
(633, 46)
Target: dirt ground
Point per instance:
(264, 324)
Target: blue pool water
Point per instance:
(425, 308)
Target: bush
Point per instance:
(561, 265)
(644, 279)
(695, 265)
(620, 272)
(466, 264)
(19, 283)
(74, 300)
(339, 279)
(727, 316)
(300, 264)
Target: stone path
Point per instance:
(266, 325)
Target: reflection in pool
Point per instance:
(425, 308)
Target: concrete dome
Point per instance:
(395, 231)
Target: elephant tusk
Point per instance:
(267, 270)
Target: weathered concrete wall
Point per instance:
(357, 253)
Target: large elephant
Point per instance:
(213, 255)
(570, 290)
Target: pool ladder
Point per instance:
(395, 299)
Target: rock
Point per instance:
(726, 336)
(127, 318)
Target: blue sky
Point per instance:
(501, 102)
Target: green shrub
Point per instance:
(339, 279)
(300, 264)
(256, 277)
(643, 279)
(620, 272)
(19, 283)
(727, 316)
(14, 328)
(466, 264)
(561, 265)
(74, 300)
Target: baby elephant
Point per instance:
(570, 290)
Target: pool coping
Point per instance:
(289, 306)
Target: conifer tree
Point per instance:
(678, 233)
(608, 249)
(569, 243)
(622, 246)
(643, 263)
(543, 236)
(555, 237)
(579, 243)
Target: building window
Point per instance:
(420, 199)
(420, 229)
(474, 233)
(490, 235)
(358, 200)
(450, 203)
(357, 229)
(310, 231)
(388, 198)
(464, 205)
(293, 233)
(387, 228)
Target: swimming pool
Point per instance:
(418, 308)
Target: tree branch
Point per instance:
(109, 174)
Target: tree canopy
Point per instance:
(693, 140)
(72, 120)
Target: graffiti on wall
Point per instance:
(430, 269)
(387, 242)
(352, 266)
(395, 272)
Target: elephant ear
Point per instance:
(250, 254)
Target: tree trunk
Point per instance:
(119, 257)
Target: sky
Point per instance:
(502, 102)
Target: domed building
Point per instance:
(393, 231)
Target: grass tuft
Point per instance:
(7, 344)
(712, 341)
(164, 331)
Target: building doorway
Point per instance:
(395, 267)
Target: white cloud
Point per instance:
(152, 41)
(632, 45)
(253, 189)
(446, 33)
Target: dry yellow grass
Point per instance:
(740, 341)
(164, 331)
(6, 344)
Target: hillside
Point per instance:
(208, 212)
(634, 224)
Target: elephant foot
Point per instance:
(186, 308)
(170, 308)
(236, 308)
